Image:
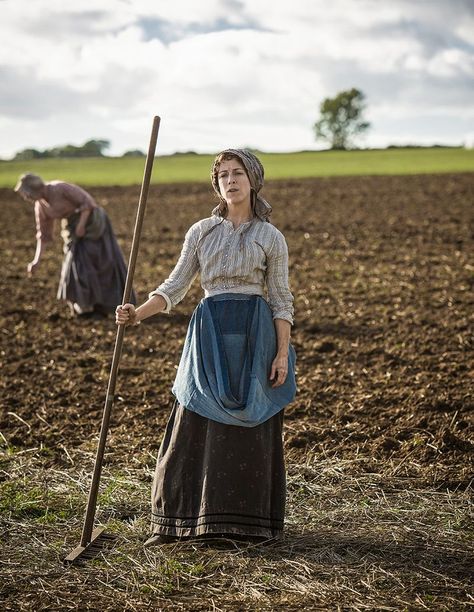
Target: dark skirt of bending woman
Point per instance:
(213, 477)
(93, 272)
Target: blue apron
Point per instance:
(225, 366)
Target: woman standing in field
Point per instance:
(220, 468)
(93, 271)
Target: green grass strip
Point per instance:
(190, 167)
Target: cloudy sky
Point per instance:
(231, 72)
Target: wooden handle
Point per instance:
(141, 209)
(109, 399)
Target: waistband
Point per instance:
(241, 290)
(219, 297)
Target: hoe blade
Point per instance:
(81, 553)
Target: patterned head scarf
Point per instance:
(255, 172)
(29, 184)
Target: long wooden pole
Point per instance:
(109, 399)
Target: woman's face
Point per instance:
(26, 195)
(31, 195)
(234, 184)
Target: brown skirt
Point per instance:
(219, 479)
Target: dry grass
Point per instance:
(355, 540)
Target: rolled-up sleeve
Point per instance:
(175, 287)
(280, 297)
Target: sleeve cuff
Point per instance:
(169, 305)
(283, 315)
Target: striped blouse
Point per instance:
(249, 259)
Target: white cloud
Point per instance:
(229, 72)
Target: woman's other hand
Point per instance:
(31, 268)
(80, 231)
(279, 370)
(126, 315)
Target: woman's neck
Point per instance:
(238, 215)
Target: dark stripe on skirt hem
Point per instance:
(217, 529)
(195, 518)
(214, 522)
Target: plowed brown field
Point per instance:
(379, 440)
(382, 272)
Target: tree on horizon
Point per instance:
(341, 119)
(91, 148)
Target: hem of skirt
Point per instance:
(217, 529)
